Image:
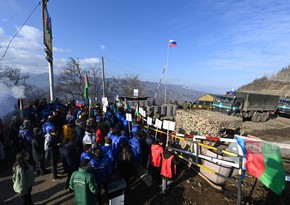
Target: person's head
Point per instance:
(37, 131)
(170, 148)
(117, 131)
(85, 164)
(53, 132)
(21, 160)
(26, 123)
(108, 140)
(98, 153)
(87, 147)
(50, 118)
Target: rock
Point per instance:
(188, 181)
(200, 184)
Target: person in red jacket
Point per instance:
(155, 159)
(168, 167)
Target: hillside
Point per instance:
(278, 84)
(174, 92)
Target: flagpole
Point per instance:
(166, 72)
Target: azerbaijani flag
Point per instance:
(86, 88)
(264, 161)
(172, 43)
(137, 111)
(127, 105)
(48, 25)
(118, 99)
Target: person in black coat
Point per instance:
(69, 159)
(38, 150)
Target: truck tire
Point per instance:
(264, 117)
(256, 117)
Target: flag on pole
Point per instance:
(127, 105)
(86, 88)
(137, 111)
(172, 43)
(118, 99)
(264, 161)
(80, 103)
(48, 26)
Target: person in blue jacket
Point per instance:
(108, 153)
(101, 171)
(48, 125)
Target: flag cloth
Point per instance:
(127, 105)
(86, 88)
(48, 26)
(264, 161)
(91, 111)
(80, 103)
(172, 43)
(117, 99)
(137, 111)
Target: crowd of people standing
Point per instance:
(93, 147)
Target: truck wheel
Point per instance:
(258, 117)
(264, 117)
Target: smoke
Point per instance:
(8, 98)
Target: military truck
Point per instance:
(284, 107)
(254, 106)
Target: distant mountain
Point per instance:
(178, 93)
(278, 84)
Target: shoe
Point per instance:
(55, 179)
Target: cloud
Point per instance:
(103, 47)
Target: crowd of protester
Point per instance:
(93, 147)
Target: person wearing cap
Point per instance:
(38, 150)
(168, 167)
(155, 159)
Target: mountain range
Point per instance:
(178, 93)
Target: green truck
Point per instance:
(254, 106)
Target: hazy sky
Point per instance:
(220, 44)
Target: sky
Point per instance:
(220, 44)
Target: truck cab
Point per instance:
(284, 107)
(227, 104)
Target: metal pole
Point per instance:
(51, 81)
(240, 180)
(166, 72)
(103, 77)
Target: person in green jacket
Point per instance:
(83, 183)
(23, 177)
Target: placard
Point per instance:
(104, 108)
(129, 117)
(168, 125)
(149, 121)
(143, 113)
(158, 123)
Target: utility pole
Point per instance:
(47, 39)
(103, 77)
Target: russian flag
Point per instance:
(172, 43)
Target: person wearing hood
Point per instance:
(89, 137)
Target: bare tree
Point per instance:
(95, 81)
(71, 80)
(130, 82)
(13, 77)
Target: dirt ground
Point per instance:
(189, 188)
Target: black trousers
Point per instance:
(26, 199)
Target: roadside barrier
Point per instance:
(197, 155)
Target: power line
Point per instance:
(5, 52)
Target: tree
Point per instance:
(12, 77)
(130, 82)
(71, 80)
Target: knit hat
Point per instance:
(108, 140)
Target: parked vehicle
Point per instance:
(254, 106)
(206, 105)
(284, 107)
